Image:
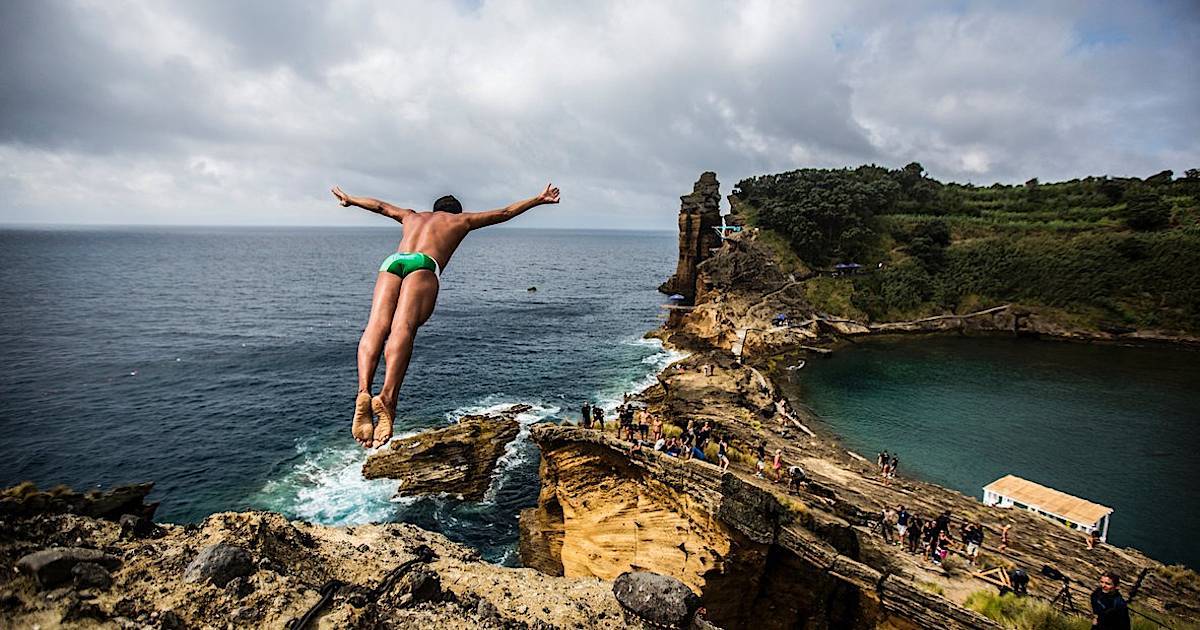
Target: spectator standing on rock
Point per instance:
(723, 454)
(887, 524)
(892, 466)
(598, 417)
(703, 435)
(943, 523)
(914, 533)
(777, 465)
(882, 460)
(901, 522)
(974, 542)
(656, 428)
(586, 415)
(1004, 536)
(1109, 610)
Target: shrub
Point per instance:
(1147, 211)
(931, 587)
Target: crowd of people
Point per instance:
(930, 537)
(642, 430)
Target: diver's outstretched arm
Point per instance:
(374, 205)
(477, 220)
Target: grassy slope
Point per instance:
(1061, 248)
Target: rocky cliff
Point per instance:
(741, 545)
(699, 213)
(810, 553)
(458, 459)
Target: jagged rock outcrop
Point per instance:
(378, 576)
(458, 459)
(699, 213)
(25, 500)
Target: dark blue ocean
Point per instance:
(220, 363)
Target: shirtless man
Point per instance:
(406, 290)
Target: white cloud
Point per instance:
(221, 112)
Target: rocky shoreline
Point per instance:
(620, 536)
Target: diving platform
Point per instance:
(1072, 511)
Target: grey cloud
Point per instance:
(202, 111)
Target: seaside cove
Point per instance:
(1116, 425)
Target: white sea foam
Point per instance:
(327, 485)
(516, 452)
(658, 361)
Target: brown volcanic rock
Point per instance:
(699, 213)
(458, 459)
(25, 500)
(295, 561)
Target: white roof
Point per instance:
(1049, 500)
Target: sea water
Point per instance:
(1118, 426)
(220, 363)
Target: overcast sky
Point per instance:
(233, 112)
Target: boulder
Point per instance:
(655, 599)
(91, 575)
(219, 564)
(54, 565)
(458, 459)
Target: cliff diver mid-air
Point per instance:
(406, 290)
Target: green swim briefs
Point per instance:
(404, 263)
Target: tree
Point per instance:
(1146, 211)
(827, 214)
(1160, 178)
(929, 242)
(1112, 190)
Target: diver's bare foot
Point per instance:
(361, 427)
(383, 428)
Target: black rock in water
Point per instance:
(657, 599)
(219, 564)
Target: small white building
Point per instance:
(1076, 513)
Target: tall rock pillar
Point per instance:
(699, 213)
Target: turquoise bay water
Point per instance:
(1115, 425)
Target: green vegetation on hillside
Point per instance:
(1098, 252)
(1027, 613)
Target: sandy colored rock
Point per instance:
(149, 588)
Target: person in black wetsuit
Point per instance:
(1109, 611)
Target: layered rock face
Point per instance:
(259, 570)
(699, 213)
(728, 538)
(458, 459)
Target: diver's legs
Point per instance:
(383, 306)
(418, 296)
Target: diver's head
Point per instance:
(447, 204)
